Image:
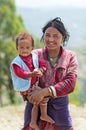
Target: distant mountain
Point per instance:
(73, 18)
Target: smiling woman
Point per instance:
(58, 81)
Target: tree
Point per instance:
(10, 25)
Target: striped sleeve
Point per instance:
(66, 86)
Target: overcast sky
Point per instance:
(41, 3)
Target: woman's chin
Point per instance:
(51, 48)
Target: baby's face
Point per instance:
(25, 47)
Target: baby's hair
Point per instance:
(24, 36)
(58, 24)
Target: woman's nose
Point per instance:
(51, 38)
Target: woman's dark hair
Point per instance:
(58, 24)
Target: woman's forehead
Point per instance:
(52, 30)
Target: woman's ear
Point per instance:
(63, 39)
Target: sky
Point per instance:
(47, 3)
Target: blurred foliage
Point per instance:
(75, 96)
(81, 53)
(10, 22)
(10, 25)
(38, 43)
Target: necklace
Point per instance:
(50, 61)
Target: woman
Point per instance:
(58, 81)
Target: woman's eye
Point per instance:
(47, 35)
(56, 36)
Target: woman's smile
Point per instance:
(51, 45)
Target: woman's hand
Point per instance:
(36, 96)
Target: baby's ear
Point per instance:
(16, 47)
(32, 47)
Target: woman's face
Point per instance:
(52, 38)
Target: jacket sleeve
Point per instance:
(20, 72)
(68, 84)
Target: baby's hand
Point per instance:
(38, 72)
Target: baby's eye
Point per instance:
(21, 47)
(28, 48)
